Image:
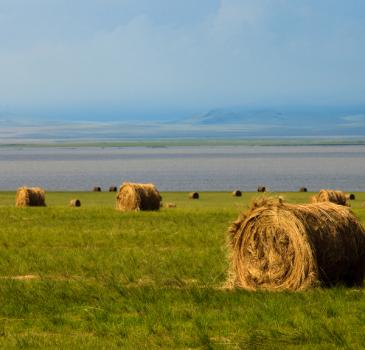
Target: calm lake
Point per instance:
(280, 168)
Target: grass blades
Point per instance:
(95, 278)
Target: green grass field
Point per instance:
(95, 278)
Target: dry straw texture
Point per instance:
(277, 246)
(237, 193)
(75, 203)
(194, 195)
(135, 197)
(261, 189)
(30, 197)
(333, 196)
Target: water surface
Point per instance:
(280, 168)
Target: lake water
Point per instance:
(283, 168)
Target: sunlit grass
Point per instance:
(92, 277)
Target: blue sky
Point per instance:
(135, 59)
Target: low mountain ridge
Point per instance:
(218, 123)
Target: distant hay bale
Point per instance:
(261, 189)
(303, 189)
(194, 195)
(237, 193)
(75, 203)
(97, 189)
(113, 189)
(136, 197)
(333, 196)
(169, 205)
(30, 197)
(277, 246)
(351, 197)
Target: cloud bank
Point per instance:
(125, 59)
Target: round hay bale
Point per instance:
(351, 197)
(277, 246)
(303, 189)
(136, 197)
(237, 193)
(261, 189)
(30, 197)
(97, 189)
(75, 203)
(194, 195)
(333, 196)
(113, 189)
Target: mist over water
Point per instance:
(279, 168)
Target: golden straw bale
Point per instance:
(278, 246)
(303, 189)
(237, 193)
(194, 195)
(135, 197)
(261, 189)
(97, 189)
(113, 189)
(30, 197)
(75, 203)
(333, 196)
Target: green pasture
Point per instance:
(95, 278)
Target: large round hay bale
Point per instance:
(135, 197)
(261, 189)
(194, 195)
(75, 203)
(113, 189)
(333, 196)
(303, 189)
(237, 193)
(278, 246)
(351, 197)
(97, 189)
(30, 197)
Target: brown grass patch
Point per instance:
(169, 205)
(21, 277)
(30, 197)
(135, 197)
(278, 246)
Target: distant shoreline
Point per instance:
(190, 143)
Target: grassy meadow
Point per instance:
(95, 278)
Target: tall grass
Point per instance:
(95, 278)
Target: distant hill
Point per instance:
(286, 122)
(229, 123)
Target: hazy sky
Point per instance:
(131, 58)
